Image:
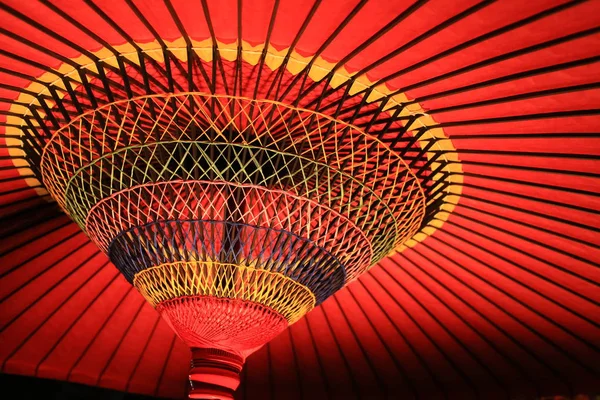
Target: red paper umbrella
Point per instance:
(243, 164)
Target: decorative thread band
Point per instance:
(274, 290)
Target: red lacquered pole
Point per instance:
(214, 374)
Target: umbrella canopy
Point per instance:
(493, 104)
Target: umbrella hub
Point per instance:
(233, 217)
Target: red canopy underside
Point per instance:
(503, 299)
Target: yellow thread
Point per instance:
(272, 289)
(358, 176)
(296, 63)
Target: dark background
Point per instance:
(17, 387)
